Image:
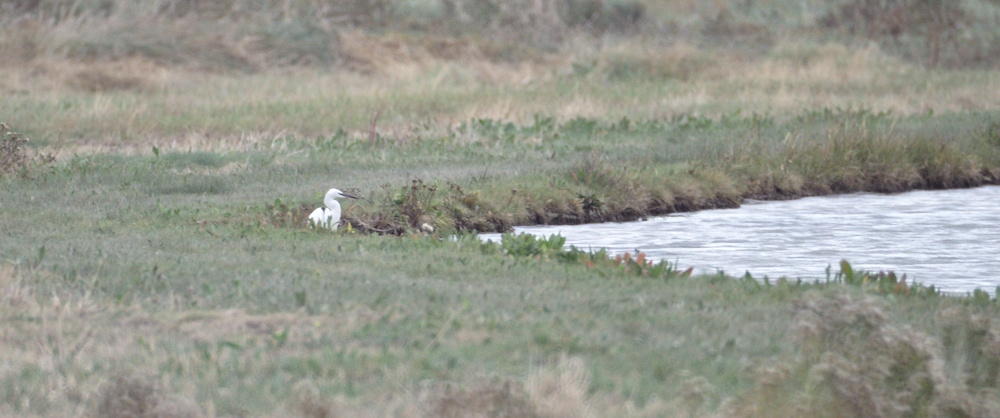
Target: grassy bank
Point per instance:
(585, 171)
(486, 175)
(154, 259)
(186, 283)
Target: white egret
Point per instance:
(329, 216)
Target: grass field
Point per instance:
(154, 258)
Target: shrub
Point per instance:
(13, 156)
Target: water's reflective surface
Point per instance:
(949, 238)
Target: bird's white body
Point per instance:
(328, 216)
(325, 217)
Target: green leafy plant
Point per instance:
(552, 247)
(527, 245)
(882, 282)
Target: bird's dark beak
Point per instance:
(350, 196)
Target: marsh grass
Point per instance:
(511, 175)
(161, 265)
(194, 272)
(171, 358)
(653, 168)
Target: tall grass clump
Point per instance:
(857, 157)
(856, 150)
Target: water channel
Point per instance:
(946, 238)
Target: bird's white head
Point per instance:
(333, 194)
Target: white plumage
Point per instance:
(329, 216)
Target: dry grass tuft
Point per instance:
(15, 295)
(680, 61)
(307, 400)
(561, 391)
(140, 397)
(554, 391)
(13, 154)
(863, 366)
(132, 74)
(853, 362)
(490, 400)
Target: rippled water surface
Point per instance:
(948, 238)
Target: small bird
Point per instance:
(329, 216)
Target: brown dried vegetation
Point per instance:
(140, 397)
(853, 361)
(14, 155)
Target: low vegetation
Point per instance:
(515, 335)
(14, 158)
(155, 259)
(188, 284)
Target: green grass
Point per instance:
(192, 276)
(154, 259)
